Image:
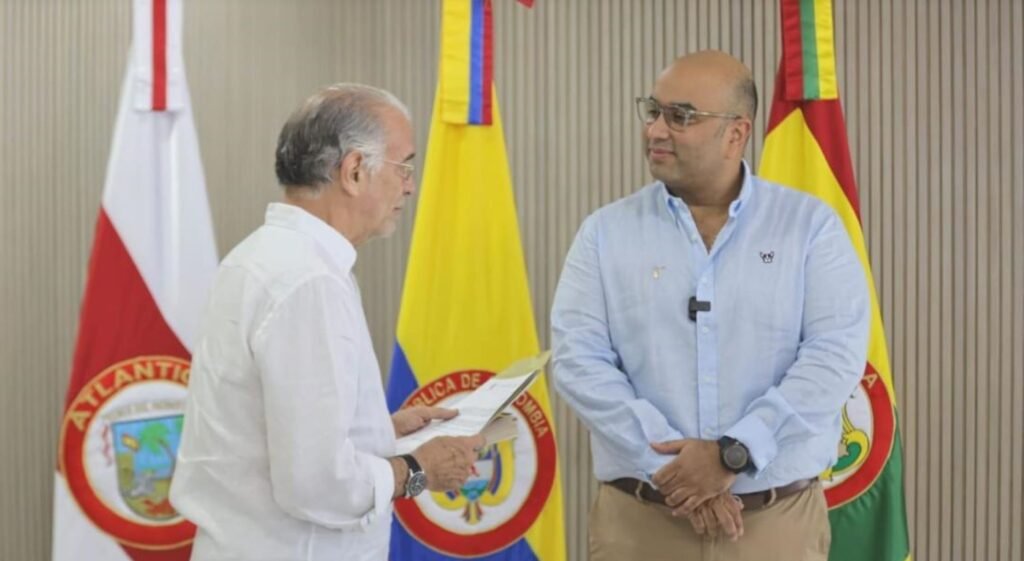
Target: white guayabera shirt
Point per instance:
(283, 453)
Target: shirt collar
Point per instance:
(335, 245)
(675, 204)
(745, 191)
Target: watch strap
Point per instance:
(414, 466)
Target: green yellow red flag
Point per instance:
(806, 148)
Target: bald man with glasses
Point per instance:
(707, 330)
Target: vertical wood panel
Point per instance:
(54, 146)
(1015, 80)
(932, 90)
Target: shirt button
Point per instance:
(704, 329)
(693, 238)
(703, 282)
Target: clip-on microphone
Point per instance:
(698, 306)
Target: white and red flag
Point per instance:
(153, 259)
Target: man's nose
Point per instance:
(657, 129)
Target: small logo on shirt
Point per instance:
(767, 257)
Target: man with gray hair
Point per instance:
(288, 450)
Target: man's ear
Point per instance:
(352, 173)
(739, 133)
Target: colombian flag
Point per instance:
(806, 148)
(466, 314)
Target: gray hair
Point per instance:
(331, 124)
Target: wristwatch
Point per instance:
(734, 455)
(417, 480)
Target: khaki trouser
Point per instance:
(622, 528)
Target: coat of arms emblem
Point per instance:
(144, 451)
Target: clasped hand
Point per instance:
(696, 485)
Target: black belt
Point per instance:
(751, 501)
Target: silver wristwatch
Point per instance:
(417, 480)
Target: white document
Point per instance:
(502, 428)
(482, 410)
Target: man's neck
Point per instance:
(321, 206)
(711, 196)
(709, 204)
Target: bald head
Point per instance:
(696, 150)
(718, 75)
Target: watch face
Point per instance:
(416, 484)
(735, 456)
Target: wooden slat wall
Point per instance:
(933, 91)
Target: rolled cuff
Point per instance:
(383, 489)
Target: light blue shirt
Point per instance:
(770, 364)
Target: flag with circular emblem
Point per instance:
(806, 148)
(466, 314)
(153, 260)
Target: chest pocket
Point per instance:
(760, 295)
(774, 298)
(770, 291)
(646, 290)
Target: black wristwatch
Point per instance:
(417, 480)
(734, 455)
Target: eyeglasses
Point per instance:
(677, 116)
(405, 169)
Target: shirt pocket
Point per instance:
(646, 303)
(775, 304)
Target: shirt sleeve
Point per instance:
(830, 357)
(306, 355)
(587, 370)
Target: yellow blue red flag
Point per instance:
(466, 314)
